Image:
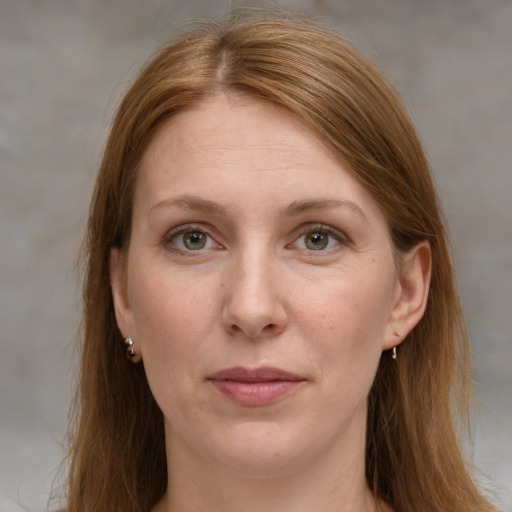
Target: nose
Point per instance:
(253, 302)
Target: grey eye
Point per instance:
(188, 239)
(316, 241)
(194, 240)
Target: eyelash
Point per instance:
(168, 243)
(339, 236)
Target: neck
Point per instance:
(228, 493)
(332, 482)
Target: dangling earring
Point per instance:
(130, 352)
(393, 350)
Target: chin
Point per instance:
(260, 450)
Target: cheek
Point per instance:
(173, 316)
(347, 322)
(353, 310)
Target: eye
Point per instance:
(316, 241)
(319, 239)
(191, 240)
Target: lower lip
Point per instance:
(253, 394)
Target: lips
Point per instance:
(255, 387)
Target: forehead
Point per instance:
(238, 149)
(235, 124)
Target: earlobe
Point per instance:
(411, 301)
(119, 293)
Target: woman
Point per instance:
(266, 247)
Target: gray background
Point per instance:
(63, 67)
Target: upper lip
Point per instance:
(262, 374)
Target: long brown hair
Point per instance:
(413, 455)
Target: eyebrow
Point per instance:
(198, 204)
(193, 204)
(309, 205)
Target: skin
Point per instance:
(260, 187)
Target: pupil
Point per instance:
(317, 241)
(195, 240)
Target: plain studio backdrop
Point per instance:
(64, 64)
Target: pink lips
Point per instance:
(261, 386)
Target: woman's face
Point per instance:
(259, 287)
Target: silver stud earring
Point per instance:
(130, 352)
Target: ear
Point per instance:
(118, 282)
(411, 295)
